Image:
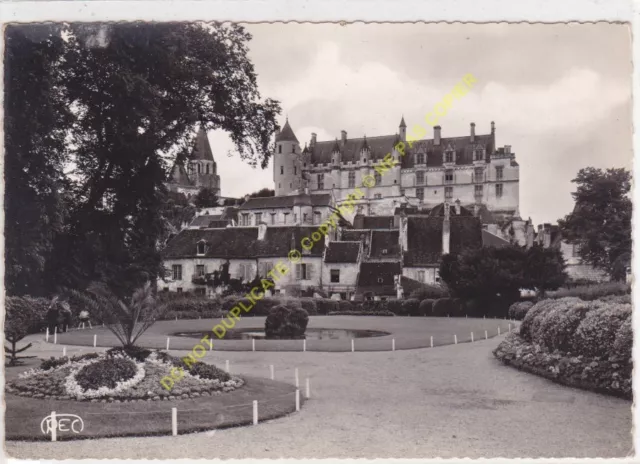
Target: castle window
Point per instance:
(177, 271)
(273, 218)
(352, 179)
(201, 248)
(420, 158)
(198, 169)
(317, 217)
(377, 196)
(304, 217)
(420, 178)
(448, 176)
(448, 156)
(279, 148)
(320, 181)
(421, 277)
(258, 218)
(281, 170)
(401, 192)
(335, 276)
(303, 271)
(285, 216)
(478, 153)
(478, 175)
(200, 271)
(448, 193)
(420, 193)
(499, 172)
(498, 190)
(295, 170)
(378, 177)
(478, 190)
(245, 219)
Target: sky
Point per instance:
(560, 94)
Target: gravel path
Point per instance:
(449, 401)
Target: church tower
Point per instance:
(287, 169)
(203, 170)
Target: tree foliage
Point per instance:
(22, 316)
(600, 222)
(265, 192)
(206, 198)
(544, 269)
(118, 103)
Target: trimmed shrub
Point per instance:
(395, 306)
(347, 306)
(326, 305)
(533, 319)
(426, 307)
(558, 324)
(597, 332)
(620, 299)
(443, 307)
(361, 313)
(412, 307)
(105, 373)
(285, 322)
(309, 305)
(518, 310)
(623, 342)
(592, 292)
(429, 292)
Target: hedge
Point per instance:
(361, 313)
(429, 292)
(426, 307)
(518, 310)
(411, 307)
(592, 292)
(444, 307)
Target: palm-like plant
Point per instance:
(127, 321)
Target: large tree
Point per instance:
(206, 198)
(601, 219)
(137, 93)
(544, 269)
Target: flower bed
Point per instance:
(603, 375)
(117, 377)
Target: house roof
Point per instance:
(424, 236)
(385, 244)
(373, 222)
(241, 242)
(489, 239)
(286, 134)
(205, 220)
(379, 276)
(354, 234)
(201, 147)
(342, 252)
(286, 201)
(380, 146)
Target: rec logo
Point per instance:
(61, 422)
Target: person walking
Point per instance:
(83, 317)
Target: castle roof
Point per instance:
(492, 240)
(373, 222)
(286, 134)
(286, 201)
(201, 147)
(241, 243)
(179, 175)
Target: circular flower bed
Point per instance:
(119, 376)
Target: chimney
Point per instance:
(493, 127)
(457, 205)
(473, 132)
(344, 136)
(446, 230)
(436, 135)
(314, 137)
(262, 231)
(507, 149)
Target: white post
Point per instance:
(308, 388)
(253, 344)
(226, 366)
(46, 337)
(297, 379)
(272, 373)
(297, 400)
(432, 341)
(95, 340)
(455, 339)
(304, 345)
(486, 337)
(353, 347)
(255, 412)
(393, 344)
(471, 337)
(176, 318)
(498, 330)
(174, 421)
(55, 335)
(64, 351)
(167, 343)
(54, 426)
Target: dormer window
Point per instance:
(448, 156)
(420, 158)
(201, 248)
(478, 154)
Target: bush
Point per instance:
(474, 308)
(285, 322)
(458, 308)
(518, 310)
(326, 305)
(361, 313)
(426, 307)
(533, 319)
(23, 315)
(592, 292)
(621, 299)
(623, 342)
(105, 373)
(52, 362)
(208, 371)
(558, 325)
(429, 292)
(309, 305)
(347, 306)
(395, 306)
(443, 307)
(136, 352)
(597, 331)
(412, 307)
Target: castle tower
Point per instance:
(403, 130)
(287, 169)
(203, 170)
